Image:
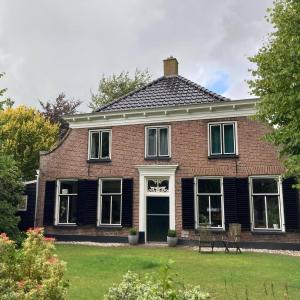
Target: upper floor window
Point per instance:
(222, 138)
(100, 144)
(158, 141)
(210, 201)
(66, 204)
(266, 203)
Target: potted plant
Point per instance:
(172, 238)
(133, 236)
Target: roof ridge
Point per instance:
(130, 93)
(203, 89)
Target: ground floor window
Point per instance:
(210, 201)
(266, 203)
(110, 201)
(67, 202)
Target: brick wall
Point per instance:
(189, 151)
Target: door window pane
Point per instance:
(63, 208)
(203, 201)
(216, 211)
(94, 145)
(72, 209)
(259, 212)
(105, 144)
(273, 212)
(209, 186)
(152, 140)
(116, 209)
(215, 139)
(111, 186)
(105, 217)
(265, 185)
(228, 138)
(163, 141)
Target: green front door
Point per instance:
(157, 219)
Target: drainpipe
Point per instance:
(36, 195)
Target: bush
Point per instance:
(132, 231)
(158, 286)
(172, 233)
(32, 272)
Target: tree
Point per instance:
(276, 80)
(11, 188)
(5, 102)
(58, 109)
(24, 132)
(115, 86)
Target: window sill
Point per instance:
(266, 232)
(108, 226)
(223, 156)
(104, 160)
(66, 226)
(158, 158)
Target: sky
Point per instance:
(53, 46)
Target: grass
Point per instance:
(92, 270)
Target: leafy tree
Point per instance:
(11, 188)
(115, 86)
(276, 80)
(5, 102)
(24, 132)
(58, 109)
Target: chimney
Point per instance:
(170, 66)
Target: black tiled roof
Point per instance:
(164, 92)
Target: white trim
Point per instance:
(151, 171)
(30, 182)
(228, 109)
(99, 201)
(26, 203)
(197, 202)
(36, 196)
(100, 130)
(280, 203)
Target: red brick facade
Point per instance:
(189, 149)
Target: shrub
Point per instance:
(132, 231)
(172, 233)
(158, 286)
(33, 271)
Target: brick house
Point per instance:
(169, 155)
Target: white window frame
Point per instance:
(99, 209)
(280, 203)
(221, 124)
(57, 202)
(100, 143)
(157, 128)
(197, 201)
(25, 197)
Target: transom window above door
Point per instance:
(100, 144)
(266, 203)
(158, 185)
(157, 142)
(222, 139)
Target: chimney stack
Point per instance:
(170, 66)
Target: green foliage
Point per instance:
(276, 80)
(132, 231)
(58, 109)
(33, 271)
(160, 286)
(115, 86)
(11, 188)
(172, 233)
(24, 132)
(5, 102)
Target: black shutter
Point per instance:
(87, 202)
(49, 203)
(230, 205)
(188, 203)
(127, 202)
(290, 201)
(243, 204)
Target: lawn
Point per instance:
(92, 270)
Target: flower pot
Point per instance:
(275, 226)
(133, 239)
(172, 241)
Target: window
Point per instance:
(266, 203)
(158, 141)
(22, 206)
(222, 139)
(110, 201)
(66, 202)
(100, 144)
(210, 201)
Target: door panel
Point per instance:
(157, 218)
